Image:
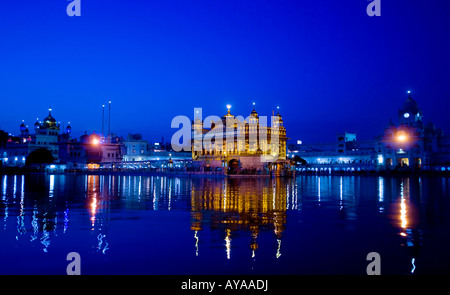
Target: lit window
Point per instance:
(380, 159)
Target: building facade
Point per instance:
(411, 144)
(136, 148)
(91, 151)
(408, 144)
(46, 135)
(237, 145)
(346, 153)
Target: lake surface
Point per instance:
(201, 225)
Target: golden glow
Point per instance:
(406, 221)
(93, 209)
(403, 220)
(253, 139)
(259, 205)
(93, 188)
(402, 135)
(95, 141)
(93, 166)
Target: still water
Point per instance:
(200, 225)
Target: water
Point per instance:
(170, 225)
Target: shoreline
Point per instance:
(223, 175)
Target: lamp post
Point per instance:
(402, 137)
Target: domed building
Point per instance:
(407, 144)
(46, 135)
(241, 146)
(411, 144)
(24, 132)
(91, 151)
(68, 129)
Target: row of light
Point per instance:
(15, 159)
(229, 106)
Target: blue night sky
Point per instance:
(328, 65)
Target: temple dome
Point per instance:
(49, 118)
(410, 106)
(49, 121)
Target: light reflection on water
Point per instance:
(311, 224)
(242, 205)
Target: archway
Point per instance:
(233, 166)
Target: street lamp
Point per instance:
(402, 137)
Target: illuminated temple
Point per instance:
(241, 146)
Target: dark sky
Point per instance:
(327, 64)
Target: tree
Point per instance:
(3, 138)
(40, 156)
(299, 160)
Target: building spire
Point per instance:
(103, 120)
(228, 107)
(109, 121)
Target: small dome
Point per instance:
(49, 119)
(84, 137)
(228, 113)
(410, 106)
(50, 122)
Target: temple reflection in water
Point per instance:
(251, 205)
(43, 211)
